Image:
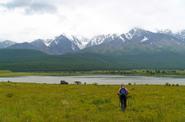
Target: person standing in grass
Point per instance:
(122, 93)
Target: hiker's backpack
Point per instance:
(123, 91)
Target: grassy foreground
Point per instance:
(83, 103)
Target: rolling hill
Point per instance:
(32, 60)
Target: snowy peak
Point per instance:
(135, 32)
(80, 41)
(100, 39)
(38, 42)
(123, 37)
(144, 39)
(6, 43)
(181, 34)
(97, 40)
(60, 39)
(165, 31)
(47, 42)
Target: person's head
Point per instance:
(122, 86)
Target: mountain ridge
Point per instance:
(135, 39)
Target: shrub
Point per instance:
(9, 81)
(9, 95)
(101, 101)
(78, 82)
(129, 84)
(95, 84)
(167, 84)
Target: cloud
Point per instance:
(32, 6)
(24, 19)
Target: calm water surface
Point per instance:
(100, 79)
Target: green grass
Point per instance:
(6, 73)
(87, 103)
(144, 72)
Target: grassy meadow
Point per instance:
(21, 102)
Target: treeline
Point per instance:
(141, 72)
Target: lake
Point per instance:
(100, 79)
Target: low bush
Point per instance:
(78, 82)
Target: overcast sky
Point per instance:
(26, 20)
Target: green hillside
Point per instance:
(31, 60)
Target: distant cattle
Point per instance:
(63, 82)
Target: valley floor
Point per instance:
(84, 103)
(144, 72)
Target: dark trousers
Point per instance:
(123, 101)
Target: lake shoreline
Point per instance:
(142, 72)
(97, 79)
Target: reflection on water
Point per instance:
(100, 79)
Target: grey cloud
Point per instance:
(32, 6)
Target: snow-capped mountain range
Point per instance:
(136, 39)
(6, 44)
